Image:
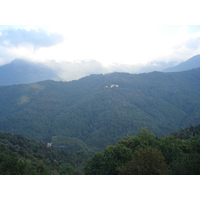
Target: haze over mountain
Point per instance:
(192, 63)
(24, 71)
(68, 71)
(74, 70)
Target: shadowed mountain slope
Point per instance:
(191, 63)
(23, 71)
(99, 110)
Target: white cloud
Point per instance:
(25, 42)
(184, 45)
(118, 41)
(107, 31)
(36, 38)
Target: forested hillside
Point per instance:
(99, 110)
(146, 154)
(143, 154)
(187, 133)
(20, 155)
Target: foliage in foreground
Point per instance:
(146, 154)
(143, 154)
(21, 156)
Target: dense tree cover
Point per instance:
(145, 161)
(71, 144)
(143, 154)
(21, 156)
(146, 154)
(95, 115)
(187, 132)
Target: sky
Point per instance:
(110, 32)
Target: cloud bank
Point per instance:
(36, 38)
(126, 48)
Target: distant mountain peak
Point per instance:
(25, 61)
(20, 60)
(191, 63)
(24, 71)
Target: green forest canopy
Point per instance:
(146, 154)
(95, 115)
(143, 154)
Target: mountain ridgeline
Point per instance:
(24, 71)
(192, 63)
(99, 110)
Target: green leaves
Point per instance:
(145, 154)
(115, 156)
(145, 161)
(96, 166)
(20, 155)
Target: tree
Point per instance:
(96, 165)
(145, 161)
(171, 148)
(115, 156)
(142, 139)
(107, 163)
(66, 169)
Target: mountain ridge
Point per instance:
(21, 71)
(98, 115)
(191, 63)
